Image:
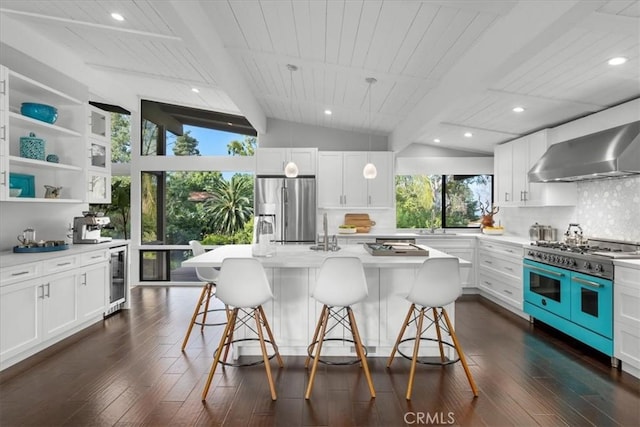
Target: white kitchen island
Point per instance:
(293, 313)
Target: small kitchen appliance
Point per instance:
(539, 232)
(87, 228)
(569, 286)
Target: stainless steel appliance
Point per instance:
(119, 283)
(87, 228)
(295, 207)
(539, 232)
(570, 287)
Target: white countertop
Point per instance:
(629, 263)
(9, 258)
(300, 256)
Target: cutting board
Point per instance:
(361, 221)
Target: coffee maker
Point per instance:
(87, 228)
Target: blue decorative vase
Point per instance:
(32, 147)
(53, 158)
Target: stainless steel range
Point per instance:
(570, 287)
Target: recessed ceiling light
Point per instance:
(468, 134)
(618, 60)
(518, 109)
(327, 112)
(230, 124)
(117, 16)
(195, 90)
(437, 140)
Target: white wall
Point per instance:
(279, 134)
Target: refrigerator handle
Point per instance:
(285, 220)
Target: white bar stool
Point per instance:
(243, 285)
(436, 285)
(341, 283)
(209, 277)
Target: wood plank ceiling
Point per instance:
(443, 67)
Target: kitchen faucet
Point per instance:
(325, 231)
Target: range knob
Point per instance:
(598, 268)
(587, 265)
(571, 262)
(545, 256)
(531, 253)
(565, 261)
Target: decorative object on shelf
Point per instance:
(291, 169)
(27, 237)
(32, 147)
(494, 231)
(53, 158)
(26, 183)
(15, 192)
(370, 171)
(52, 192)
(487, 214)
(42, 112)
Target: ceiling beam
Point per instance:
(190, 21)
(608, 22)
(512, 40)
(91, 25)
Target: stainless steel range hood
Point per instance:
(609, 153)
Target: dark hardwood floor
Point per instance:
(129, 370)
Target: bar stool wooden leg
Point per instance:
(315, 337)
(400, 335)
(270, 335)
(360, 350)
(414, 360)
(460, 353)
(267, 366)
(437, 325)
(314, 367)
(194, 317)
(226, 339)
(228, 312)
(206, 306)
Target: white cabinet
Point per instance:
(98, 156)
(500, 273)
(63, 139)
(46, 301)
(342, 185)
(271, 161)
(464, 249)
(512, 162)
(626, 318)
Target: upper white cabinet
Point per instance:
(271, 161)
(342, 185)
(98, 156)
(62, 143)
(512, 162)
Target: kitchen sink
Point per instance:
(321, 248)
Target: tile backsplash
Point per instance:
(610, 208)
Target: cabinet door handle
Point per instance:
(487, 283)
(84, 276)
(4, 133)
(4, 178)
(486, 261)
(20, 273)
(509, 250)
(507, 292)
(587, 282)
(525, 196)
(3, 85)
(63, 263)
(48, 290)
(369, 199)
(96, 256)
(508, 268)
(506, 197)
(41, 291)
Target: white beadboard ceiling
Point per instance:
(443, 67)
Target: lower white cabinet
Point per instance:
(464, 249)
(626, 319)
(44, 302)
(500, 273)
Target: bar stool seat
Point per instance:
(341, 283)
(243, 285)
(209, 276)
(436, 285)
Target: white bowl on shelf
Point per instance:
(15, 192)
(347, 230)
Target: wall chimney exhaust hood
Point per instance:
(609, 153)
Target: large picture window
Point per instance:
(442, 201)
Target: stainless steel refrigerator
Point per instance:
(295, 206)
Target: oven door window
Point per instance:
(547, 287)
(592, 303)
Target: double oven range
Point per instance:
(570, 287)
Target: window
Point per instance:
(442, 201)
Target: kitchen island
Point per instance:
(292, 272)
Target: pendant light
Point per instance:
(291, 169)
(370, 171)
